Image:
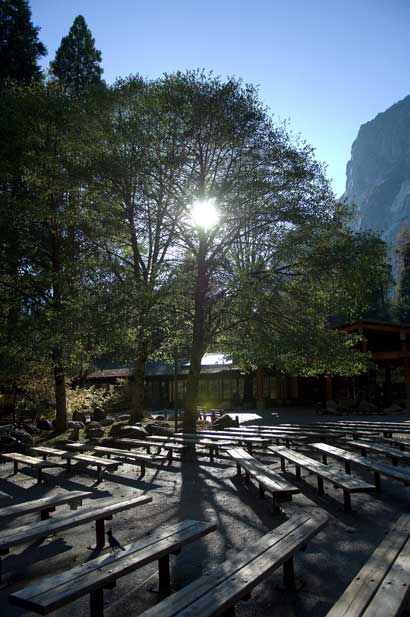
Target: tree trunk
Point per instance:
(198, 346)
(138, 388)
(59, 387)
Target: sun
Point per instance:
(204, 214)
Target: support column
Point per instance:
(406, 362)
(328, 388)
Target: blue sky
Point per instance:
(327, 66)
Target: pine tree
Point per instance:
(20, 48)
(403, 290)
(76, 63)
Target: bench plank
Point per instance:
(378, 468)
(267, 479)
(358, 595)
(53, 592)
(100, 510)
(43, 504)
(394, 454)
(217, 591)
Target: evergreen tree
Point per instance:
(403, 290)
(20, 48)
(77, 60)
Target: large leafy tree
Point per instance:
(50, 289)
(77, 61)
(20, 47)
(134, 153)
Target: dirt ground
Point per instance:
(205, 491)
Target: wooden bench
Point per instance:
(78, 446)
(216, 592)
(381, 588)
(46, 452)
(44, 505)
(99, 512)
(267, 480)
(187, 442)
(392, 453)
(53, 592)
(377, 468)
(131, 457)
(28, 461)
(92, 461)
(4, 498)
(396, 442)
(338, 478)
(149, 443)
(249, 442)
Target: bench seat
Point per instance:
(392, 453)
(377, 468)
(149, 443)
(44, 505)
(100, 511)
(346, 482)
(187, 442)
(28, 461)
(53, 592)
(4, 498)
(132, 457)
(267, 480)
(92, 461)
(217, 591)
(46, 451)
(381, 588)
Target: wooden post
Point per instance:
(164, 576)
(347, 503)
(259, 388)
(97, 603)
(100, 533)
(289, 574)
(328, 388)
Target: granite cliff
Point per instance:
(378, 174)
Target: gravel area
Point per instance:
(211, 492)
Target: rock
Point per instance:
(123, 417)
(80, 416)
(393, 409)
(159, 417)
(75, 434)
(331, 406)
(31, 428)
(378, 175)
(367, 407)
(116, 428)
(223, 422)
(98, 414)
(93, 424)
(158, 429)
(75, 424)
(95, 433)
(44, 425)
(133, 431)
(22, 436)
(107, 422)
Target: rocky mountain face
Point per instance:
(378, 174)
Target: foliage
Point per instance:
(77, 61)
(402, 301)
(20, 47)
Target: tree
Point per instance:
(134, 155)
(77, 61)
(20, 47)
(51, 287)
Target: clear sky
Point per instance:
(326, 65)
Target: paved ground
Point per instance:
(210, 492)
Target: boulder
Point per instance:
(123, 417)
(160, 417)
(80, 416)
(107, 422)
(98, 414)
(116, 428)
(158, 429)
(93, 433)
(393, 409)
(75, 424)
(223, 422)
(136, 432)
(367, 407)
(31, 428)
(22, 436)
(331, 406)
(44, 425)
(75, 434)
(93, 424)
